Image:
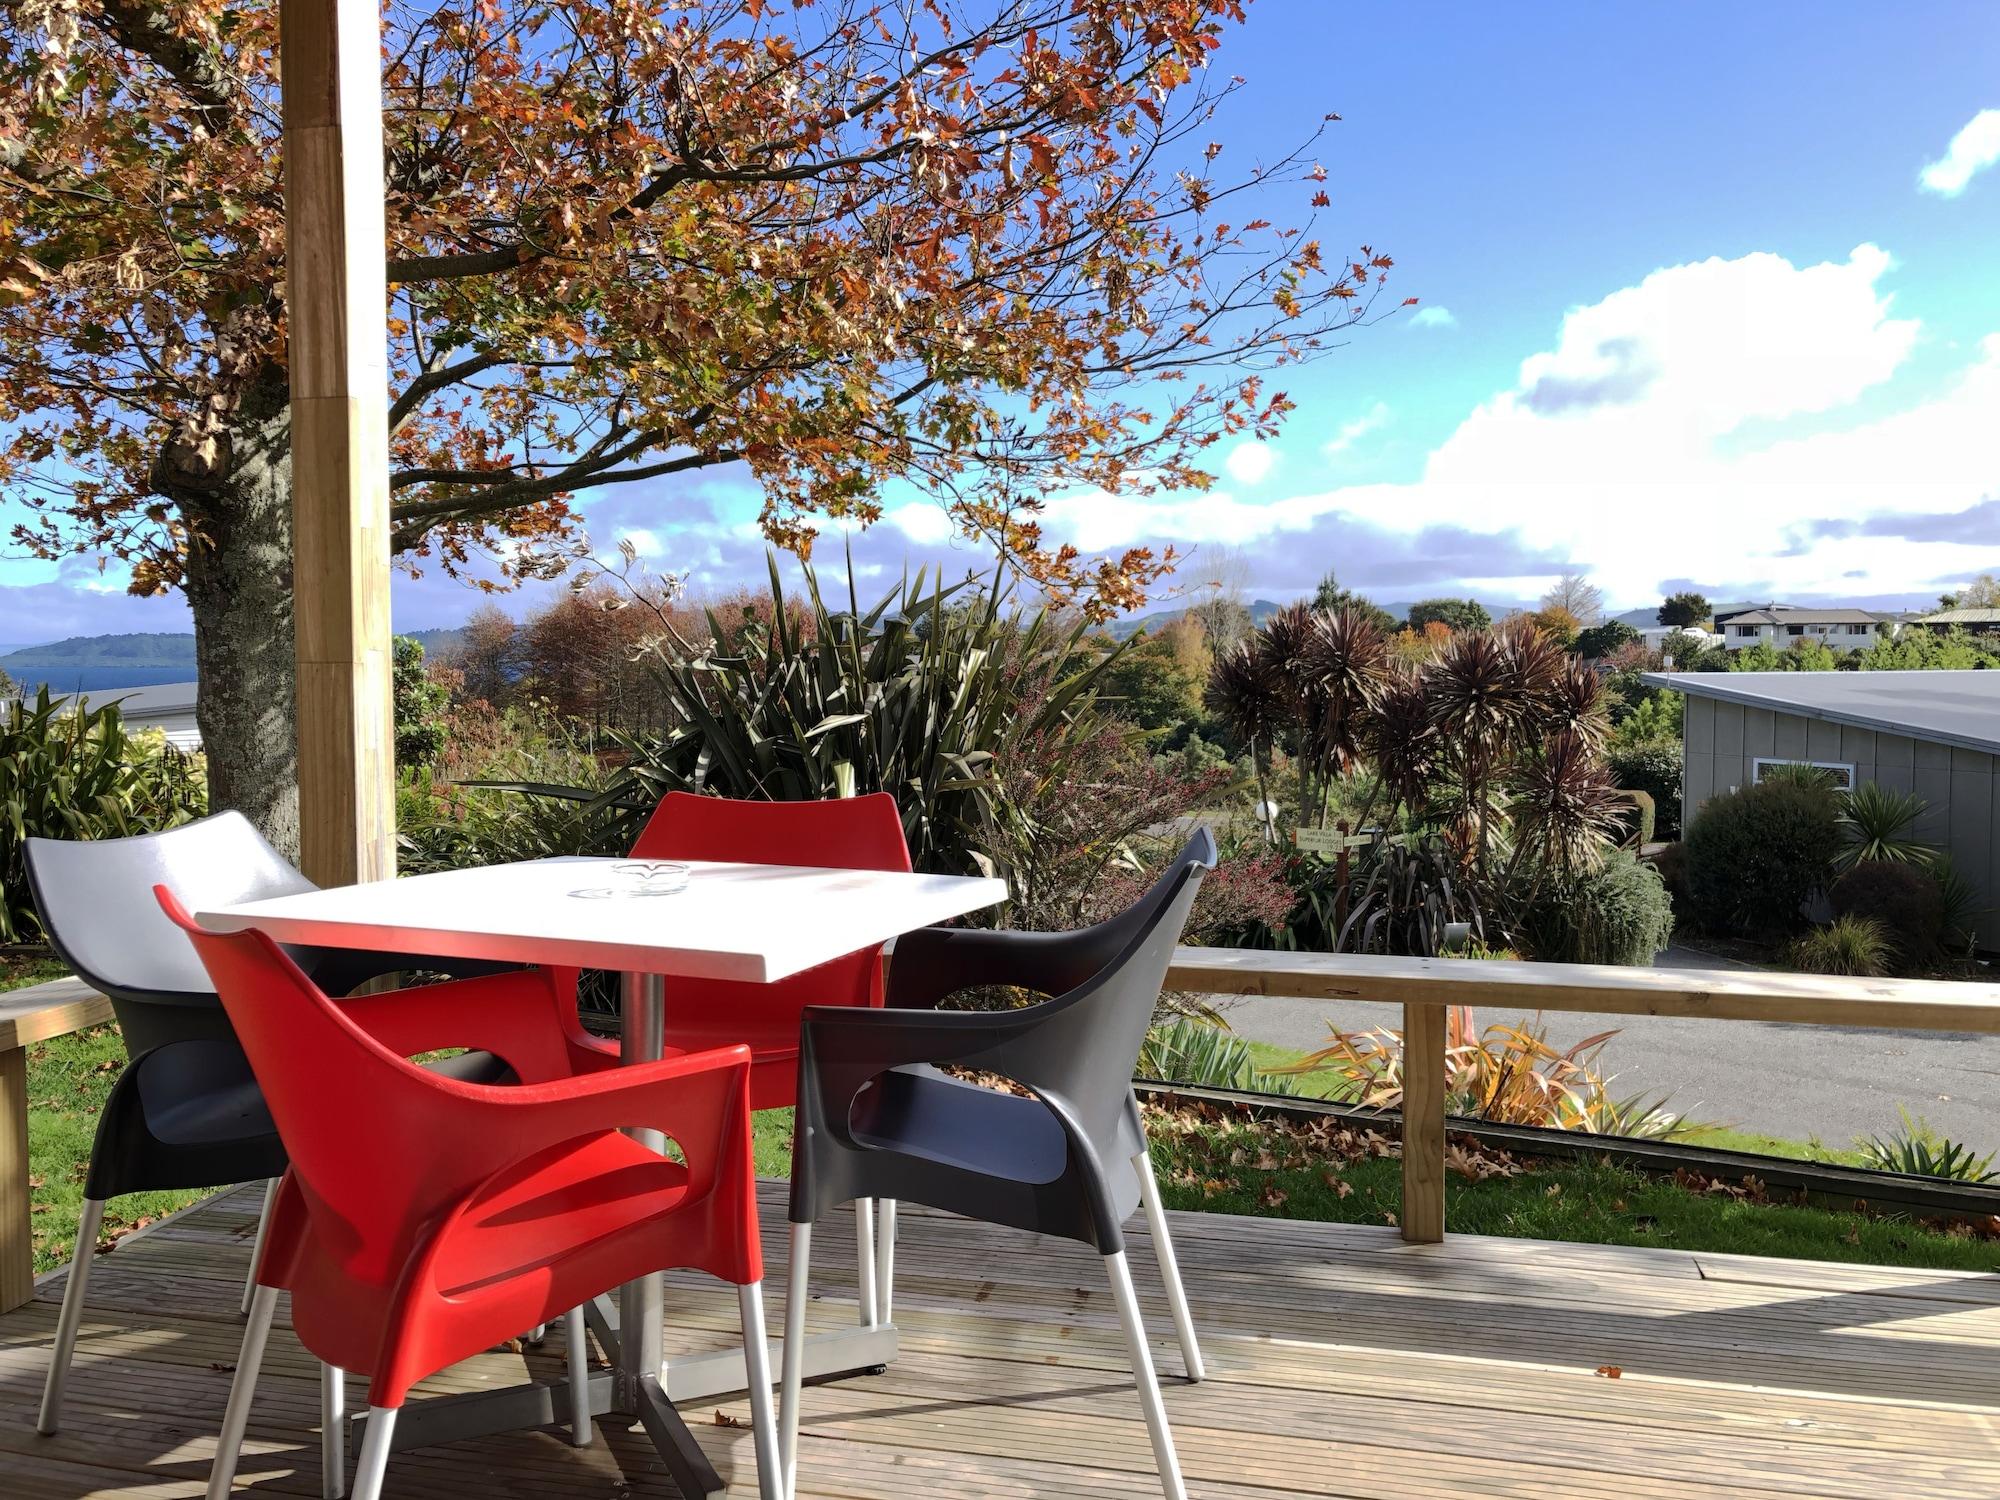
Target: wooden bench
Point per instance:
(27, 1016)
(1424, 987)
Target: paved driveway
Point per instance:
(1795, 1081)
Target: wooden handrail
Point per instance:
(1425, 986)
(1598, 989)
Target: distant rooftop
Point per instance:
(1960, 617)
(1951, 708)
(1785, 614)
(160, 698)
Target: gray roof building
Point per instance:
(1936, 734)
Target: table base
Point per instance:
(697, 1377)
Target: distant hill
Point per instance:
(143, 651)
(98, 663)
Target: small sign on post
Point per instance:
(1327, 842)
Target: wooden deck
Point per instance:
(1342, 1363)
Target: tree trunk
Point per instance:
(239, 585)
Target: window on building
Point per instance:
(1842, 772)
(1857, 630)
(1795, 630)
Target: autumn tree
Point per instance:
(990, 249)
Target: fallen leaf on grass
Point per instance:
(1273, 1196)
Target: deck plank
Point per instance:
(1343, 1363)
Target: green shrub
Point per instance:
(1405, 894)
(1619, 913)
(1919, 1150)
(68, 774)
(1849, 945)
(1877, 823)
(1653, 767)
(1671, 863)
(1904, 900)
(1203, 1055)
(920, 695)
(1756, 856)
(1962, 906)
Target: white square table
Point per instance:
(758, 923)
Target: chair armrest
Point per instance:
(522, 1016)
(842, 1047)
(933, 963)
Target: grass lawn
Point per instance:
(1211, 1161)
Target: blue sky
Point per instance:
(1706, 325)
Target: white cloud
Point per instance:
(1249, 462)
(644, 542)
(922, 522)
(1433, 317)
(1350, 432)
(1972, 151)
(1696, 425)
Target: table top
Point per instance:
(732, 921)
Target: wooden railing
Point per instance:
(1425, 986)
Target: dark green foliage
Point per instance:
(1619, 913)
(1962, 905)
(918, 695)
(1458, 614)
(1903, 898)
(420, 706)
(81, 775)
(1595, 642)
(1331, 596)
(1407, 892)
(1672, 864)
(1652, 767)
(1757, 855)
(1685, 608)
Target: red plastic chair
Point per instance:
(852, 833)
(425, 1219)
(847, 833)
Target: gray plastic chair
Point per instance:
(878, 1119)
(186, 1112)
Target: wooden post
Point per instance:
(1423, 1123)
(338, 309)
(17, 1237)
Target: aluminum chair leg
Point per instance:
(1142, 1373)
(242, 1391)
(1170, 1266)
(771, 1481)
(374, 1460)
(257, 1245)
(796, 1295)
(885, 1263)
(81, 1255)
(579, 1377)
(332, 1432)
(864, 1256)
(536, 1335)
